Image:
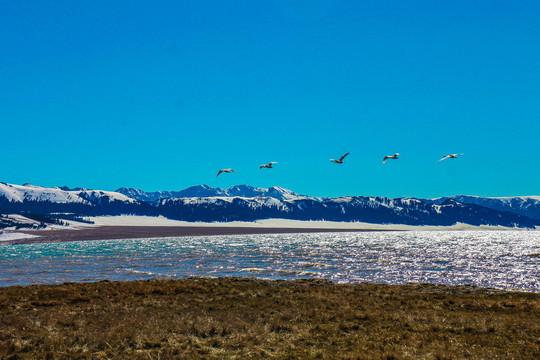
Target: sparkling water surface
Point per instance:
(499, 259)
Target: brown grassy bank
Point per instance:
(255, 319)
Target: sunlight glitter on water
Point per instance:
(500, 259)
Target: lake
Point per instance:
(500, 259)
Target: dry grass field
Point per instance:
(235, 318)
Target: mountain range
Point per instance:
(247, 203)
(208, 191)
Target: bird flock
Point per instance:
(340, 161)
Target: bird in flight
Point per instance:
(395, 156)
(269, 165)
(451, 156)
(340, 160)
(225, 170)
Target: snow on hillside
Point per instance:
(22, 221)
(29, 192)
(8, 236)
(251, 202)
(523, 205)
(128, 220)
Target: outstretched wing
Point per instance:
(385, 158)
(233, 171)
(273, 162)
(444, 157)
(260, 167)
(219, 172)
(343, 157)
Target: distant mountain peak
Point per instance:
(248, 203)
(204, 190)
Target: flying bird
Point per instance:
(395, 156)
(225, 170)
(269, 165)
(340, 160)
(451, 156)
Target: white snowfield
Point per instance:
(19, 219)
(131, 220)
(31, 224)
(29, 192)
(8, 236)
(276, 223)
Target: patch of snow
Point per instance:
(8, 236)
(19, 219)
(129, 220)
(34, 224)
(133, 220)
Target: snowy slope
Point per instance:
(523, 205)
(29, 192)
(258, 202)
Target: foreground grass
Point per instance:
(235, 318)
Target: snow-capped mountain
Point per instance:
(208, 191)
(65, 204)
(29, 192)
(247, 203)
(523, 205)
(378, 210)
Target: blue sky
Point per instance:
(160, 95)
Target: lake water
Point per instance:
(499, 259)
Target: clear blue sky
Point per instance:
(160, 95)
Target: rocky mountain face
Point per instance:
(208, 191)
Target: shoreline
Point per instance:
(109, 232)
(433, 288)
(462, 289)
(136, 227)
